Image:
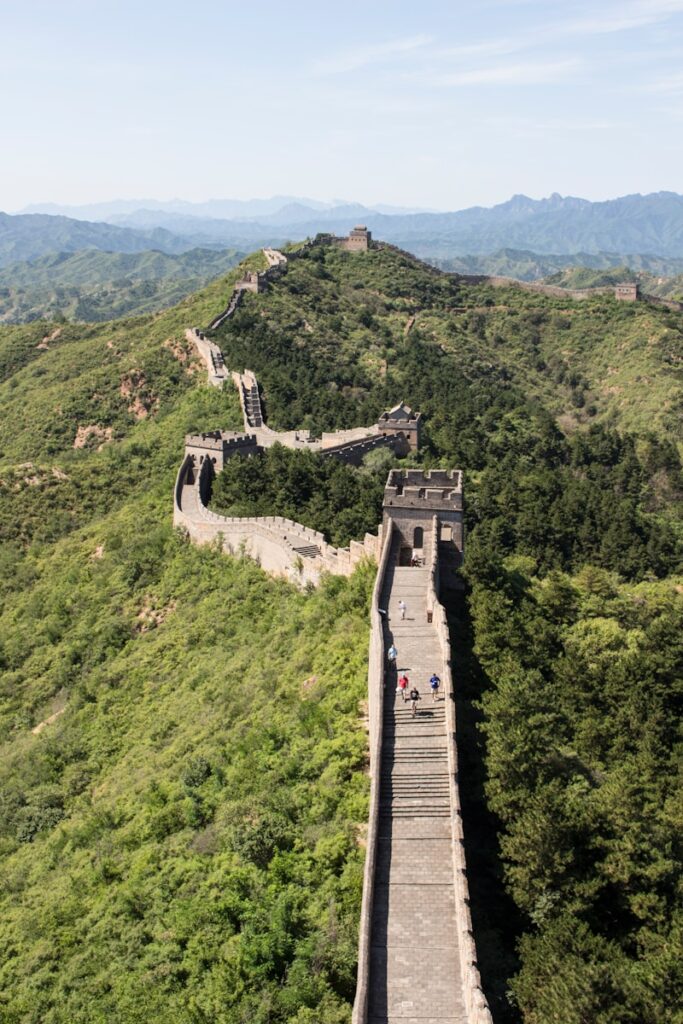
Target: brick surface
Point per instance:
(414, 963)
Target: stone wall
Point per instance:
(211, 354)
(353, 452)
(475, 1001)
(281, 546)
(375, 717)
(555, 292)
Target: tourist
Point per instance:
(414, 698)
(403, 685)
(392, 655)
(435, 683)
(402, 608)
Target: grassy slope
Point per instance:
(163, 655)
(224, 890)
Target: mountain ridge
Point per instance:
(650, 224)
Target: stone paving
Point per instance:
(414, 960)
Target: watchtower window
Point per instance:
(418, 537)
(446, 532)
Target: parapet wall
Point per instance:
(353, 452)
(476, 1006)
(281, 546)
(375, 719)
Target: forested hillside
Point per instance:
(183, 840)
(94, 286)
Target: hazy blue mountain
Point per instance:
(555, 226)
(212, 208)
(565, 225)
(221, 209)
(27, 236)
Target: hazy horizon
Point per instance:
(444, 106)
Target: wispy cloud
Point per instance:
(623, 18)
(362, 56)
(529, 73)
(668, 84)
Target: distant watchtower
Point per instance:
(412, 498)
(251, 282)
(626, 292)
(402, 420)
(358, 240)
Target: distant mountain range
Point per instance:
(25, 237)
(650, 224)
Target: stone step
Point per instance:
(417, 1020)
(437, 774)
(391, 791)
(439, 778)
(429, 755)
(425, 747)
(419, 807)
(397, 814)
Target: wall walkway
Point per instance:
(417, 961)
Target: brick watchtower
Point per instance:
(412, 498)
(358, 240)
(402, 420)
(626, 292)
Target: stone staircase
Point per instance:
(414, 956)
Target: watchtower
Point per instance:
(217, 446)
(626, 292)
(251, 282)
(402, 421)
(412, 498)
(358, 240)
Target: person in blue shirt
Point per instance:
(435, 683)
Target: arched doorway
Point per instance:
(418, 538)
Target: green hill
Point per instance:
(524, 265)
(182, 840)
(670, 287)
(95, 286)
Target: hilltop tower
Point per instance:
(357, 240)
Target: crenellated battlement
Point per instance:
(438, 489)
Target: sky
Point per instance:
(438, 104)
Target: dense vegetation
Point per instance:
(338, 500)
(181, 842)
(95, 286)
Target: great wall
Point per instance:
(416, 956)
(417, 960)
